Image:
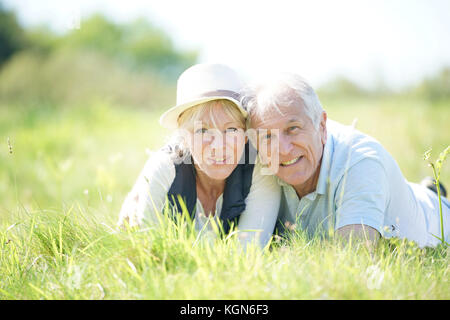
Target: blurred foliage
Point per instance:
(341, 86)
(11, 34)
(134, 64)
(436, 88)
(138, 45)
(66, 77)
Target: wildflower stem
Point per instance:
(436, 178)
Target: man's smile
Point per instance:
(291, 162)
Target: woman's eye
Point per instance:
(266, 136)
(201, 130)
(232, 129)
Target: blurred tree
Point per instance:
(139, 45)
(435, 88)
(96, 34)
(341, 86)
(132, 64)
(41, 39)
(152, 48)
(11, 34)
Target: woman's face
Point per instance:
(217, 145)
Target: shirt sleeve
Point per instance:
(149, 193)
(261, 211)
(362, 195)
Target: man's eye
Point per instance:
(293, 129)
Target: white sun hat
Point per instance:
(202, 83)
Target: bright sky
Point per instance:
(397, 41)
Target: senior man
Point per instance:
(335, 178)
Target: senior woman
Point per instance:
(211, 165)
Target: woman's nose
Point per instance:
(217, 141)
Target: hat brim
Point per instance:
(169, 119)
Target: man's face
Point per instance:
(288, 141)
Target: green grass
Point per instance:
(63, 185)
(70, 256)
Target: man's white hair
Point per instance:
(283, 89)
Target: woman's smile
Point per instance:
(217, 161)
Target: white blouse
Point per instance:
(149, 194)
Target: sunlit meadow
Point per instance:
(64, 173)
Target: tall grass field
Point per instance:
(64, 173)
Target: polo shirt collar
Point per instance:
(325, 165)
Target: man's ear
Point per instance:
(323, 127)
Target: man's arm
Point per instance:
(362, 199)
(359, 232)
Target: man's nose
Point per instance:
(285, 145)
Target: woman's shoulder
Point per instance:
(160, 165)
(159, 157)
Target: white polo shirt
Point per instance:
(360, 183)
(149, 195)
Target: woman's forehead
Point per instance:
(216, 116)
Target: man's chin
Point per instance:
(291, 179)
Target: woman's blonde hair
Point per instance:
(187, 119)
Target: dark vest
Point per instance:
(237, 187)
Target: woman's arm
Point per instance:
(148, 194)
(261, 212)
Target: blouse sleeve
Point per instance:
(148, 194)
(258, 220)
